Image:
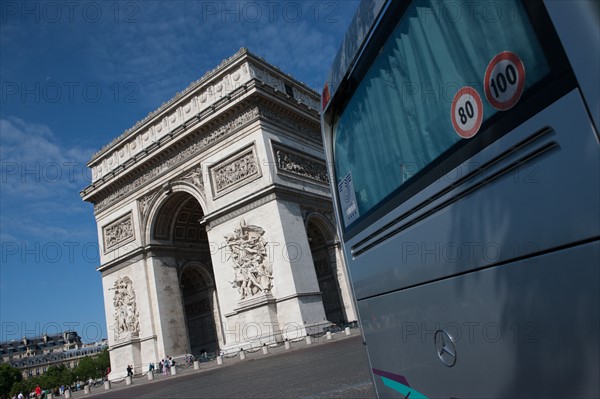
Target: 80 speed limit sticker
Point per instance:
(467, 112)
(504, 80)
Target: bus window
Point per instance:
(398, 119)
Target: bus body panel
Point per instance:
(534, 207)
(585, 15)
(521, 337)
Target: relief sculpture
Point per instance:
(126, 314)
(118, 232)
(253, 273)
(301, 165)
(229, 174)
(194, 177)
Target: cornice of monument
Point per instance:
(129, 153)
(167, 158)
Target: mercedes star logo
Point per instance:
(445, 348)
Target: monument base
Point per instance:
(126, 352)
(252, 324)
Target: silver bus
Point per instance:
(463, 148)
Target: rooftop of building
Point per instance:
(58, 356)
(39, 342)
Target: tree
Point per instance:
(86, 369)
(103, 362)
(26, 386)
(9, 375)
(56, 376)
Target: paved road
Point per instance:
(336, 369)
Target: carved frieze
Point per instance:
(126, 315)
(198, 144)
(253, 273)
(202, 140)
(234, 171)
(118, 232)
(301, 165)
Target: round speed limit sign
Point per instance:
(504, 80)
(467, 112)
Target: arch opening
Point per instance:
(178, 221)
(178, 230)
(323, 254)
(198, 291)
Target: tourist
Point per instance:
(167, 366)
(38, 391)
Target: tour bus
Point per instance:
(463, 148)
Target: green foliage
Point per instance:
(25, 386)
(56, 376)
(92, 367)
(86, 369)
(12, 382)
(103, 362)
(9, 375)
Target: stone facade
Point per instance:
(209, 212)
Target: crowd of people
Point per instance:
(39, 393)
(164, 366)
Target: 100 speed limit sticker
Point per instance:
(504, 80)
(467, 112)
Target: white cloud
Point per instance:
(33, 160)
(40, 180)
(171, 45)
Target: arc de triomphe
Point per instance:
(215, 220)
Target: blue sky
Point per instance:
(74, 75)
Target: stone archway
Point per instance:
(177, 229)
(323, 253)
(203, 155)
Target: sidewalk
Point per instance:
(184, 369)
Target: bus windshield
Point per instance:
(398, 119)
